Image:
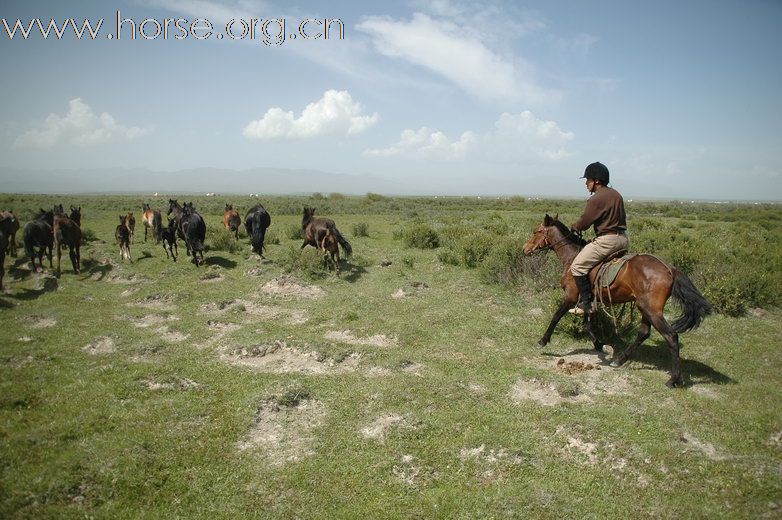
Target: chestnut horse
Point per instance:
(123, 236)
(130, 224)
(314, 230)
(232, 220)
(330, 247)
(644, 279)
(152, 220)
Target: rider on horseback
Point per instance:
(606, 212)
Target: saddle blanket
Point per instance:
(607, 271)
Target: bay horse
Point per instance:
(66, 232)
(152, 220)
(175, 208)
(256, 222)
(644, 279)
(193, 228)
(10, 227)
(130, 224)
(330, 248)
(123, 235)
(38, 234)
(314, 231)
(232, 220)
(3, 248)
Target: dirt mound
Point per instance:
(279, 358)
(119, 278)
(410, 289)
(542, 392)
(163, 302)
(256, 310)
(220, 326)
(693, 444)
(285, 434)
(380, 426)
(179, 383)
(102, 345)
(378, 340)
(39, 322)
(212, 276)
(151, 319)
(171, 336)
(287, 286)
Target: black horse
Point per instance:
(255, 223)
(3, 247)
(177, 210)
(193, 228)
(38, 234)
(168, 236)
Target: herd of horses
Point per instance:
(644, 279)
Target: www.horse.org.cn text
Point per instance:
(270, 31)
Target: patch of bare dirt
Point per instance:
(279, 358)
(171, 336)
(128, 292)
(410, 289)
(212, 276)
(256, 310)
(537, 312)
(39, 322)
(378, 340)
(285, 434)
(623, 460)
(542, 392)
(694, 444)
(152, 319)
(255, 271)
(378, 429)
(102, 345)
(775, 439)
(574, 367)
(288, 286)
(411, 367)
(220, 326)
(491, 465)
(179, 383)
(162, 302)
(119, 278)
(378, 372)
(706, 391)
(24, 339)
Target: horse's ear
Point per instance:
(556, 217)
(547, 220)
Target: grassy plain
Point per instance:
(411, 390)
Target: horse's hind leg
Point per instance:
(643, 333)
(590, 333)
(672, 338)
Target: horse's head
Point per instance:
(76, 215)
(229, 207)
(308, 213)
(122, 220)
(172, 224)
(57, 210)
(540, 238)
(144, 207)
(172, 205)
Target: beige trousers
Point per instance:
(595, 251)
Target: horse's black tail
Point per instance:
(694, 306)
(344, 243)
(157, 226)
(28, 241)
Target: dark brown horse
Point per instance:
(313, 230)
(10, 227)
(38, 234)
(123, 235)
(232, 220)
(130, 224)
(644, 279)
(330, 247)
(66, 232)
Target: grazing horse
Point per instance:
(152, 220)
(314, 230)
(256, 223)
(38, 233)
(123, 235)
(130, 223)
(169, 239)
(193, 228)
(644, 279)
(66, 232)
(10, 227)
(232, 220)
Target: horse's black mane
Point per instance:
(571, 237)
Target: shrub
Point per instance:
(293, 231)
(408, 260)
(361, 229)
(308, 262)
(221, 240)
(272, 237)
(88, 235)
(375, 197)
(421, 236)
(506, 264)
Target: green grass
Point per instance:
(84, 435)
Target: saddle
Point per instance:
(610, 267)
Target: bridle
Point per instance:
(550, 245)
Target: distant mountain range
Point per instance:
(281, 181)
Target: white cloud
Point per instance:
(454, 50)
(79, 127)
(515, 137)
(334, 114)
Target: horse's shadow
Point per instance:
(355, 273)
(223, 262)
(92, 267)
(657, 356)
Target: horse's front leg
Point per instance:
(563, 308)
(588, 329)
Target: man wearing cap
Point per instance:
(605, 211)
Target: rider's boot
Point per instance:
(584, 305)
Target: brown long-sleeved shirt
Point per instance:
(605, 210)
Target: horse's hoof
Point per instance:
(674, 383)
(615, 364)
(542, 343)
(599, 348)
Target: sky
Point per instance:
(678, 99)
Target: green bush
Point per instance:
(220, 239)
(421, 236)
(361, 229)
(506, 264)
(293, 231)
(308, 262)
